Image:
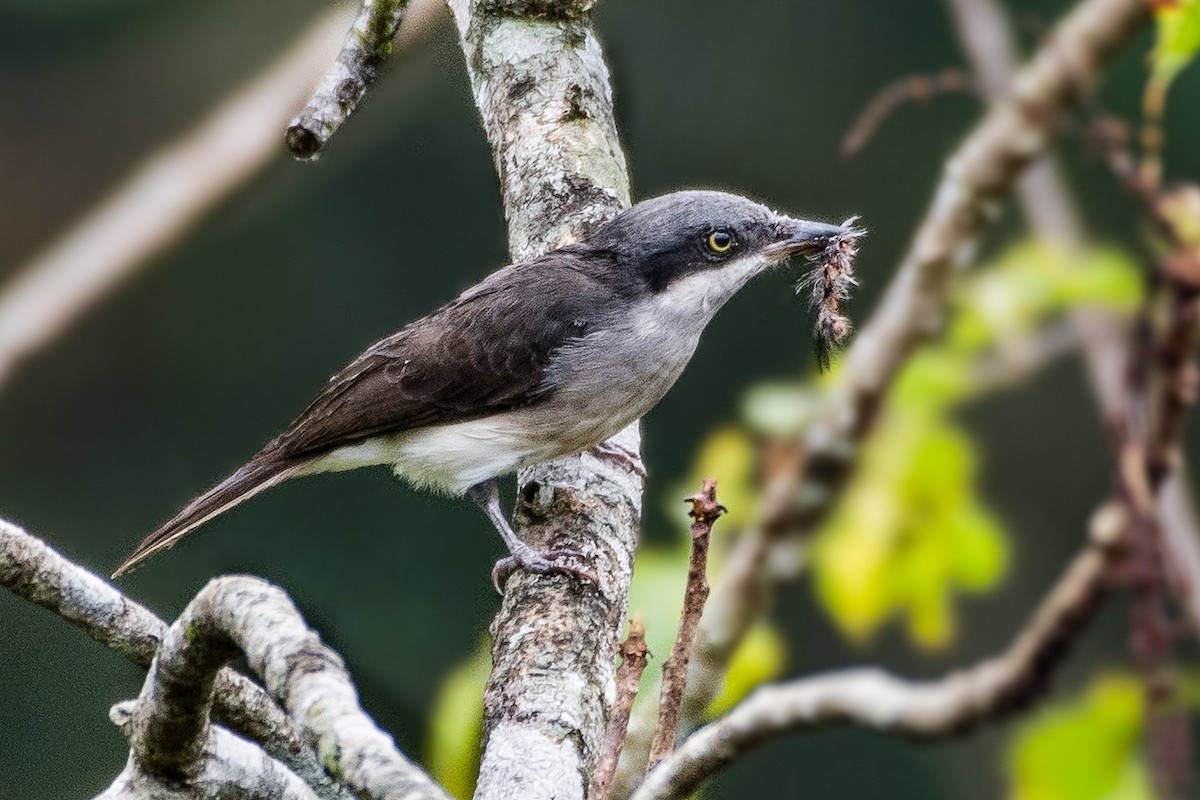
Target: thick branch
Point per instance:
(228, 766)
(33, 571)
(248, 615)
(874, 699)
(542, 89)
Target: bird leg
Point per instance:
(542, 562)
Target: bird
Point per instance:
(541, 359)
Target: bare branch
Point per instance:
(705, 511)
(874, 699)
(33, 571)
(227, 766)
(367, 45)
(542, 89)
(976, 179)
(246, 614)
(914, 88)
(158, 202)
(633, 662)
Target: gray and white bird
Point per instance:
(539, 360)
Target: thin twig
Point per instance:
(633, 662)
(922, 710)
(910, 89)
(366, 46)
(705, 511)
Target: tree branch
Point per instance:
(157, 203)
(34, 572)
(366, 46)
(235, 615)
(924, 710)
(542, 89)
(226, 766)
(633, 662)
(976, 179)
(705, 511)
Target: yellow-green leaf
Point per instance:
(1177, 24)
(456, 725)
(1084, 749)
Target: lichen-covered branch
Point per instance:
(875, 699)
(35, 572)
(542, 89)
(366, 46)
(233, 615)
(226, 766)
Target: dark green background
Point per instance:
(190, 366)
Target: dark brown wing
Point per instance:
(485, 352)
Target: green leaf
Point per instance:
(909, 534)
(759, 658)
(1177, 24)
(1084, 749)
(730, 455)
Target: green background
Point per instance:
(190, 366)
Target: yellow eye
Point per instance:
(720, 241)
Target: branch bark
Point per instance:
(34, 572)
(169, 730)
(542, 88)
(366, 46)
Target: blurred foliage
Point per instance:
(1084, 749)
(1177, 23)
(456, 724)
(911, 531)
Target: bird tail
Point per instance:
(254, 477)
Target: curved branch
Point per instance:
(33, 571)
(977, 177)
(542, 89)
(241, 614)
(227, 766)
(923, 710)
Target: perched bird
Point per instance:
(539, 360)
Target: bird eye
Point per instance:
(720, 241)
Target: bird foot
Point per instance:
(622, 456)
(542, 562)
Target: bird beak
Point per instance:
(797, 236)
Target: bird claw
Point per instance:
(547, 562)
